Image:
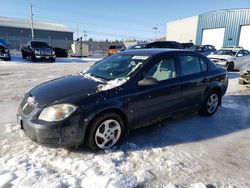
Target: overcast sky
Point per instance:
(115, 19)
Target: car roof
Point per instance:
(155, 51)
(232, 49)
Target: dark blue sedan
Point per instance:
(125, 91)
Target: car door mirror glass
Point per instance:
(148, 81)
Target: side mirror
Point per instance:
(239, 55)
(148, 81)
(28, 46)
(212, 53)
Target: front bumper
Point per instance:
(45, 56)
(69, 132)
(222, 63)
(4, 55)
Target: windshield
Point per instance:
(39, 45)
(119, 66)
(226, 52)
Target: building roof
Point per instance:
(25, 23)
(226, 10)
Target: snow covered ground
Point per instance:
(186, 151)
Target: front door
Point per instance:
(156, 101)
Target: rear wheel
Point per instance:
(210, 104)
(230, 66)
(105, 131)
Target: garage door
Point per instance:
(245, 37)
(214, 37)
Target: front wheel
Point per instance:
(230, 66)
(105, 131)
(52, 60)
(33, 58)
(210, 104)
(24, 56)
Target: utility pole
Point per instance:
(31, 20)
(155, 28)
(77, 31)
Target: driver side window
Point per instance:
(163, 70)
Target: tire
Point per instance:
(241, 82)
(106, 130)
(230, 66)
(33, 58)
(7, 59)
(24, 56)
(52, 60)
(211, 103)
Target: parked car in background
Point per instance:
(188, 45)
(245, 75)
(114, 49)
(137, 46)
(38, 50)
(165, 44)
(127, 90)
(4, 51)
(60, 52)
(205, 49)
(231, 58)
(158, 44)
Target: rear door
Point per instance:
(194, 73)
(157, 101)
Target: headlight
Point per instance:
(6, 50)
(57, 112)
(37, 52)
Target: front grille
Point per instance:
(41, 140)
(45, 52)
(51, 141)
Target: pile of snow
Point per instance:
(112, 84)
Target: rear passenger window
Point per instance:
(192, 65)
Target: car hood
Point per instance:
(52, 91)
(215, 56)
